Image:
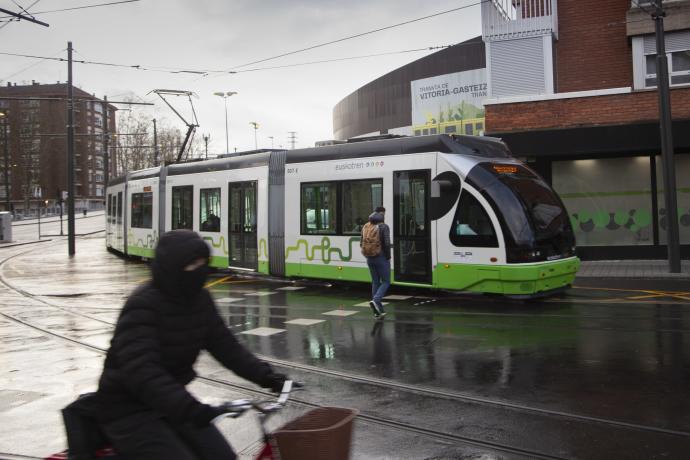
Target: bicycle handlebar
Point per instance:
(234, 409)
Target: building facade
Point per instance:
(33, 136)
(572, 90)
(384, 106)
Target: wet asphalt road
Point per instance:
(601, 372)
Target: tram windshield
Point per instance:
(534, 217)
(541, 203)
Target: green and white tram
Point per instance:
(464, 214)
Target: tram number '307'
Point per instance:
(292, 170)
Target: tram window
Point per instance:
(182, 206)
(468, 129)
(319, 212)
(359, 198)
(118, 204)
(432, 131)
(472, 226)
(417, 132)
(451, 129)
(209, 208)
(142, 210)
(425, 131)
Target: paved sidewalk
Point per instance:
(644, 269)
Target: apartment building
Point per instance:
(34, 160)
(572, 90)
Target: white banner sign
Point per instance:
(451, 103)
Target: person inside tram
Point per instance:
(211, 224)
(144, 407)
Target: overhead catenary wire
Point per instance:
(212, 71)
(77, 7)
(362, 34)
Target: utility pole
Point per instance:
(665, 122)
(292, 138)
(70, 154)
(155, 143)
(106, 139)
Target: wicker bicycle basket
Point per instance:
(323, 433)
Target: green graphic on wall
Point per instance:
(632, 220)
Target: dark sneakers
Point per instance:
(374, 308)
(377, 309)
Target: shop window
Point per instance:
(608, 200)
(472, 226)
(209, 209)
(682, 164)
(142, 210)
(182, 207)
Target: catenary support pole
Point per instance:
(6, 138)
(665, 121)
(106, 141)
(155, 143)
(70, 154)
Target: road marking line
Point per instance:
(263, 331)
(340, 313)
(218, 281)
(305, 322)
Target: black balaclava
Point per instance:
(176, 250)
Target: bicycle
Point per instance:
(324, 432)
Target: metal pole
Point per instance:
(106, 140)
(665, 121)
(155, 143)
(206, 137)
(227, 138)
(39, 220)
(70, 154)
(7, 164)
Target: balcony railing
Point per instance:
(504, 19)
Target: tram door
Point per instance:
(411, 226)
(242, 231)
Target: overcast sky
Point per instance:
(226, 34)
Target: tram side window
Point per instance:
(142, 210)
(118, 205)
(359, 198)
(319, 208)
(472, 226)
(209, 208)
(182, 207)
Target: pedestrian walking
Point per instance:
(376, 247)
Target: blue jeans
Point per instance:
(380, 269)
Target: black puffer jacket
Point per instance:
(158, 337)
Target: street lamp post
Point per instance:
(271, 138)
(256, 127)
(225, 96)
(3, 118)
(206, 139)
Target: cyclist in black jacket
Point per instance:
(145, 409)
